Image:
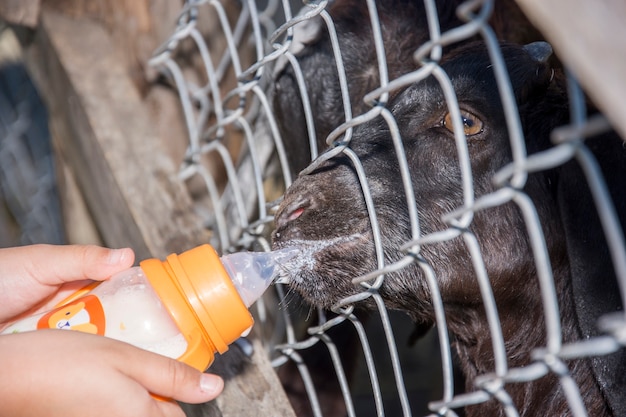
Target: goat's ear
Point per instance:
(594, 285)
(534, 73)
(539, 51)
(305, 32)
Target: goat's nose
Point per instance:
(290, 211)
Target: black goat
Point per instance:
(324, 214)
(403, 27)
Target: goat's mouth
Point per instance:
(323, 270)
(314, 255)
(332, 248)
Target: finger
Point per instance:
(170, 378)
(67, 263)
(168, 409)
(184, 383)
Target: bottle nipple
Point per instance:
(253, 272)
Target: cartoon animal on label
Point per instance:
(83, 315)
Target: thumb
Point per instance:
(76, 262)
(170, 378)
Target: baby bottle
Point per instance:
(187, 307)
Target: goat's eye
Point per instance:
(472, 125)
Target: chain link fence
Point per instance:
(239, 162)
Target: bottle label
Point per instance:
(84, 315)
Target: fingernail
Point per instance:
(116, 256)
(211, 384)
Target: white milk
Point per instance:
(135, 315)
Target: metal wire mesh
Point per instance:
(226, 108)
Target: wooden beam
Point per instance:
(590, 38)
(20, 12)
(129, 184)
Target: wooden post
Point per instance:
(129, 184)
(590, 38)
(20, 12)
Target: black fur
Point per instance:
(352, 23)
(404, 28)
(328, 205)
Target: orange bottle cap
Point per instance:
(202, 300)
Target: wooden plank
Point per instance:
(20, 12)
(590, 38)
(247, 392)
(129, 184)
(78, 224)
(260, 393)
(135, 27)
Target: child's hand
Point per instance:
(34, 278)
(67, 373)
(59, 373)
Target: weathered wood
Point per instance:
(258, 394)
(78, 224)
(136, 28)
(105, 134)
(20, 12)
(590, 39)
(130, 186)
